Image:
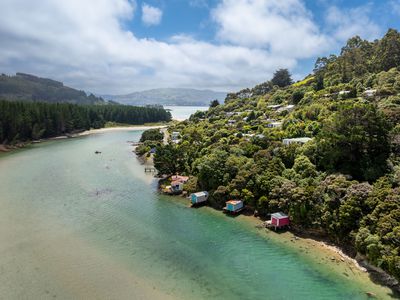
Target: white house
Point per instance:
(174, 135)
(286, 108)
(301, 140)
(199, 197)
(370, 93)
(274, 125)
(274, 107)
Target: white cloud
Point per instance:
(348, 23)
(151, 15)
(282, 27)
(85, 44)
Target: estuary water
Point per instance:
(181, 113)
(76, 225)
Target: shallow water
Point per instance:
(78, 225)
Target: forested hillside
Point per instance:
(25, 87)
(341, 178)
(25, 121)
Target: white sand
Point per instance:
(101, 130)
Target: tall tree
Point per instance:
(356, 141)
(282, 78)
(214, 103)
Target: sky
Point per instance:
(122, 46)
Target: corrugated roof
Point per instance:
(299, 140)
(199, 194)
(234, 202)
(279, 215)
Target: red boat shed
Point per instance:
(279, 220)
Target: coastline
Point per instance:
(330, 257)
(5, 149)
(318, 251)
(118, 128)
(327, 253)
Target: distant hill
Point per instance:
(26, 87)
(169, 96)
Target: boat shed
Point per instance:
(279, 220)
(200, 197)
(234, 206)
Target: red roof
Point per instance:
(179, 178)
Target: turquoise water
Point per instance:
(78, 225)
(181, 113)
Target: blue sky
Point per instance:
(193, 18)
(119, 46)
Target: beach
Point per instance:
(120, 128)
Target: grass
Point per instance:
(303, 82)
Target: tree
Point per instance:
(388, 52)
(168, 159)
(212, 169)
(297, 96)
(214, 103)
(282, 78)
(355, 141)
(152, 135)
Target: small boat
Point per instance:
(97, 152)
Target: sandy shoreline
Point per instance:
(329, 256)
(317, 252)
(4, 148)
(122, 128)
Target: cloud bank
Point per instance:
(86, 43)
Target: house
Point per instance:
(234, 206)
(152, 151)
(286, 108)
(279, 220)
(369, 93)
(274, 107)
(243, 95)
(199, 197)
(182, 179)
(175, 135)
(274, 125)
(231, 122)
(301, 140)
(342, 93)
(177, 186)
